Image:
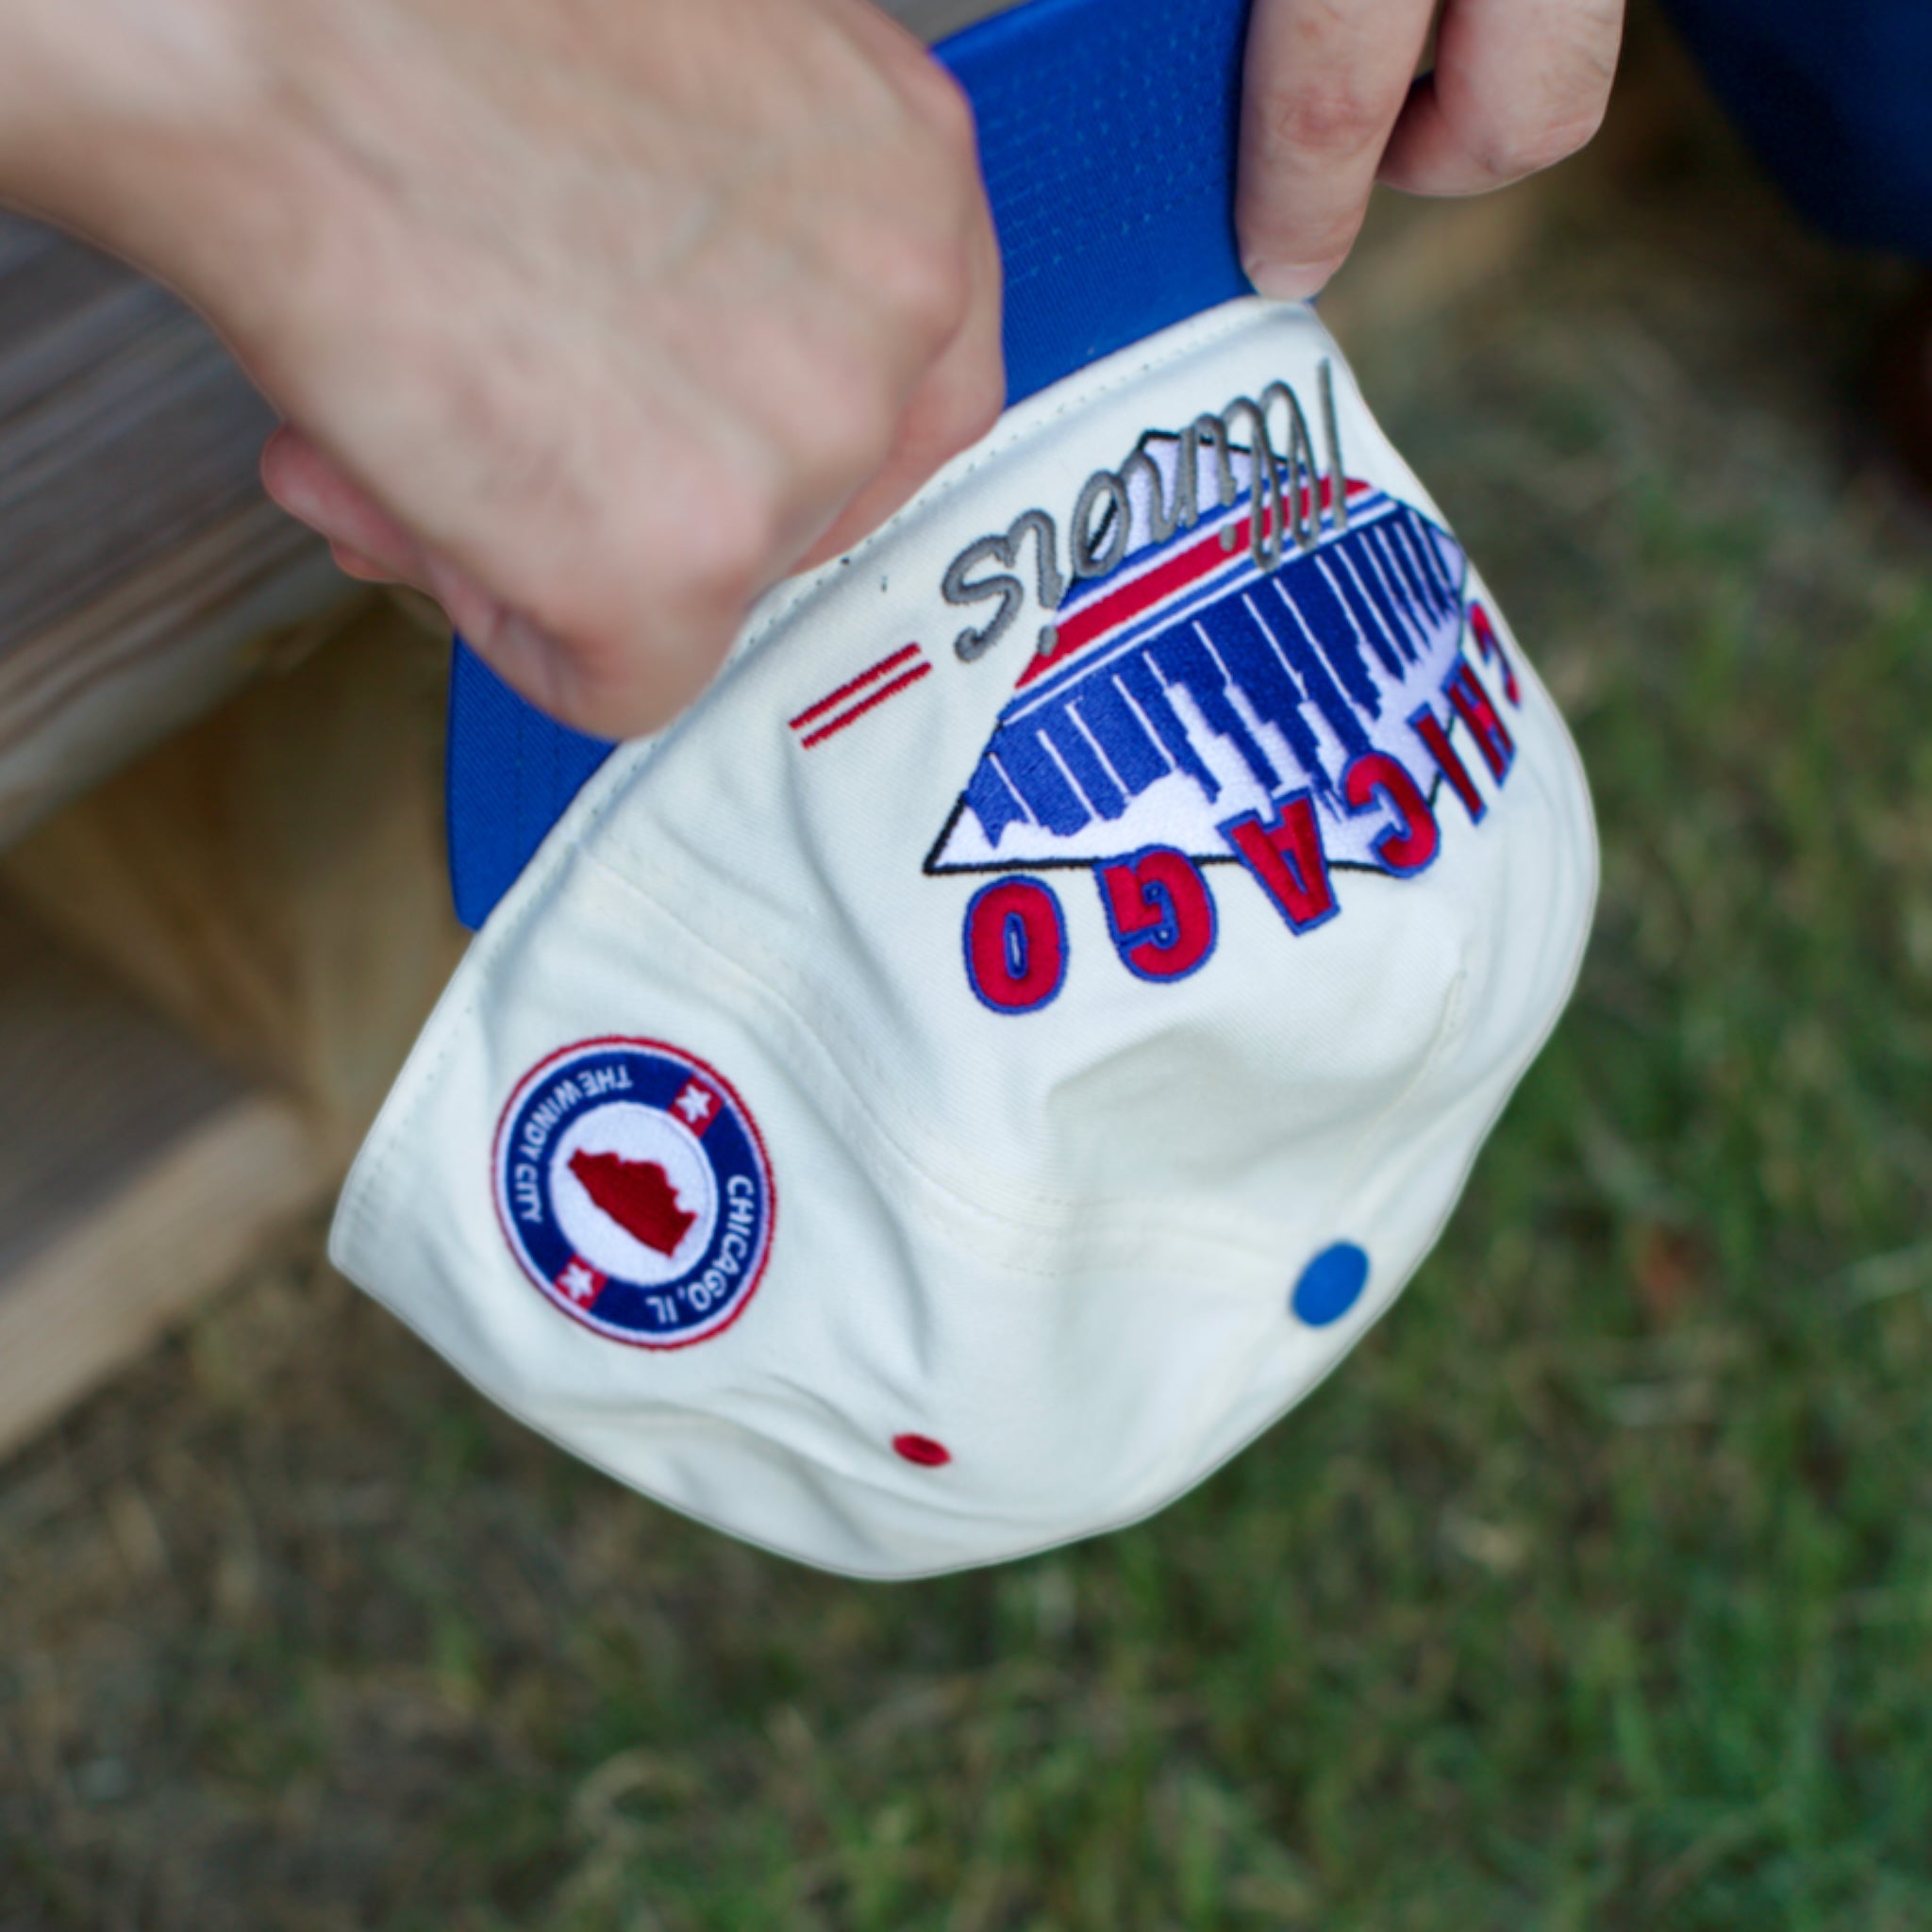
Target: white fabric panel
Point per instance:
(751, 1153)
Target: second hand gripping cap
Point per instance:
(1006, 1045)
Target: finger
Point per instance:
(315, 491)
(370, 543)
(1326, 80)
(1516, 86)
(957, 402)
(365, 540)
(536, 666)
(353, 564)
(475, 611)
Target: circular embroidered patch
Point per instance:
(634, 1190)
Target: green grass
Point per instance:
(1596, 1591)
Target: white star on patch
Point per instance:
(580, 1283)
(694, 1103)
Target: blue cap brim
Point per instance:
(1106, 137)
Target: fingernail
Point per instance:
(1290, 281)
(355, 563)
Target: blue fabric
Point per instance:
(1836, 97)
(511, 771)
(1106, 135)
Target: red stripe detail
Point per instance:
(1165, 580)
(858, 711)
(1120, 606)
(850, 685)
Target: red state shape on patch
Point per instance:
(638, 1195)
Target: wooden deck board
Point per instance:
(140, 561)
(135, 1172)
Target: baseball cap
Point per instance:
(1006, 1043)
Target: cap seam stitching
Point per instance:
(1119, 1210)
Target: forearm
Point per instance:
(495, 260)
(113, 111)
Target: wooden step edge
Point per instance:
(195, 1211)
